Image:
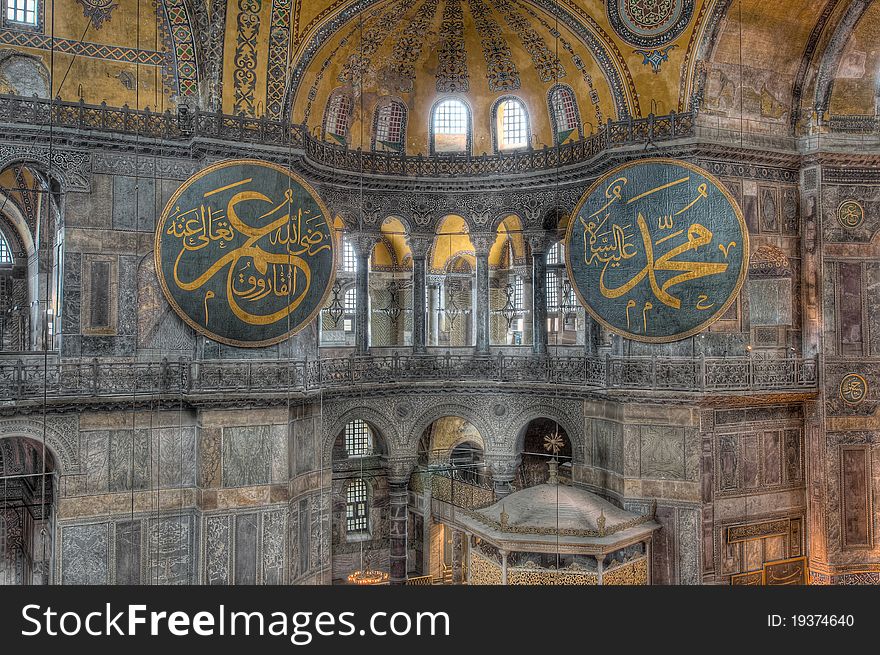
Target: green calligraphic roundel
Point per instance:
(657, 250)
(245, 252)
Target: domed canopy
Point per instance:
(548, 507)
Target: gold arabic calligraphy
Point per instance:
(253, 272)
(609, 241)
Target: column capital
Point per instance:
(419, 244)
(399, 469)
(482, 242)
(539, 241)
(363, 242)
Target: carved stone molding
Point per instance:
(73, 167)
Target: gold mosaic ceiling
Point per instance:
(283, 58)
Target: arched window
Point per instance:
(358, 439)
(356, 516)
(338, 116)
(22, 11)
(450, 126)
(511, 124)
(389, 131)
(518, 292)
(564, 112)
(349, 259)
(5, 251)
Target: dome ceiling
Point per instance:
(282, 59)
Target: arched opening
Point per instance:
(360, 532)
(27, 512)
(543, 440)
(511, 124)
(510, 296)
(337, 322)
(30, 286)
(337, 116)
(391, 287)
(565, 316)
(389, 126)
(450, 127)
(564, 114)
(451, 283)
(451, 449)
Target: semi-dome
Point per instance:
(380, 77)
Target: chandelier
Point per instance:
(336, 309)
(393, 309)
(368, 577)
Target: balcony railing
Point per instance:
(224, 127)
(30, 379)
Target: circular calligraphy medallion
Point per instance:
(850, 214)
(853, 388)
(245, 253)
(657, 250)
(649, 23)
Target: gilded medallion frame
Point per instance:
(157, 247)
(735, 292)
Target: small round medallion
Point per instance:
(853, 388)
(850, 214)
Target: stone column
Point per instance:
(398, 496)
(600, 565)
(419, 245)
(592, 336)
(528, 306)
(482, 244)
(538, 244)
(433, 309)
(503, 566)
(363, 243)
(457, 552)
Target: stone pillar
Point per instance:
(363, 243)
(482, 244)
(528, 302)
(433, 309)
(600, 565)
(592, 335)
(538, 244)
(398, 497)
(503, 468)
(457, 552)
(419, 245)
(503, 566)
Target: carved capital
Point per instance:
(482, 242)
(419, 244)
(539, 241)
(400, 468)
(502, 466)
(363, 242)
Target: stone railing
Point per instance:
(188, 125)
(32, 378)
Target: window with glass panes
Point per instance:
(22, 11)
(513, 124)
(389, 123)
(349, 258)
(556, 254)
(358, 439)
(450, 117)
(5, 252)
(518, 292)
(552, 290)
(564, 109)
(356, 519)
(338, 114)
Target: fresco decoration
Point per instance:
(853, 388)
(452, 69)
(245, 253)
(657, 250)
(98, 11)
(649, 23)
(503, 74)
